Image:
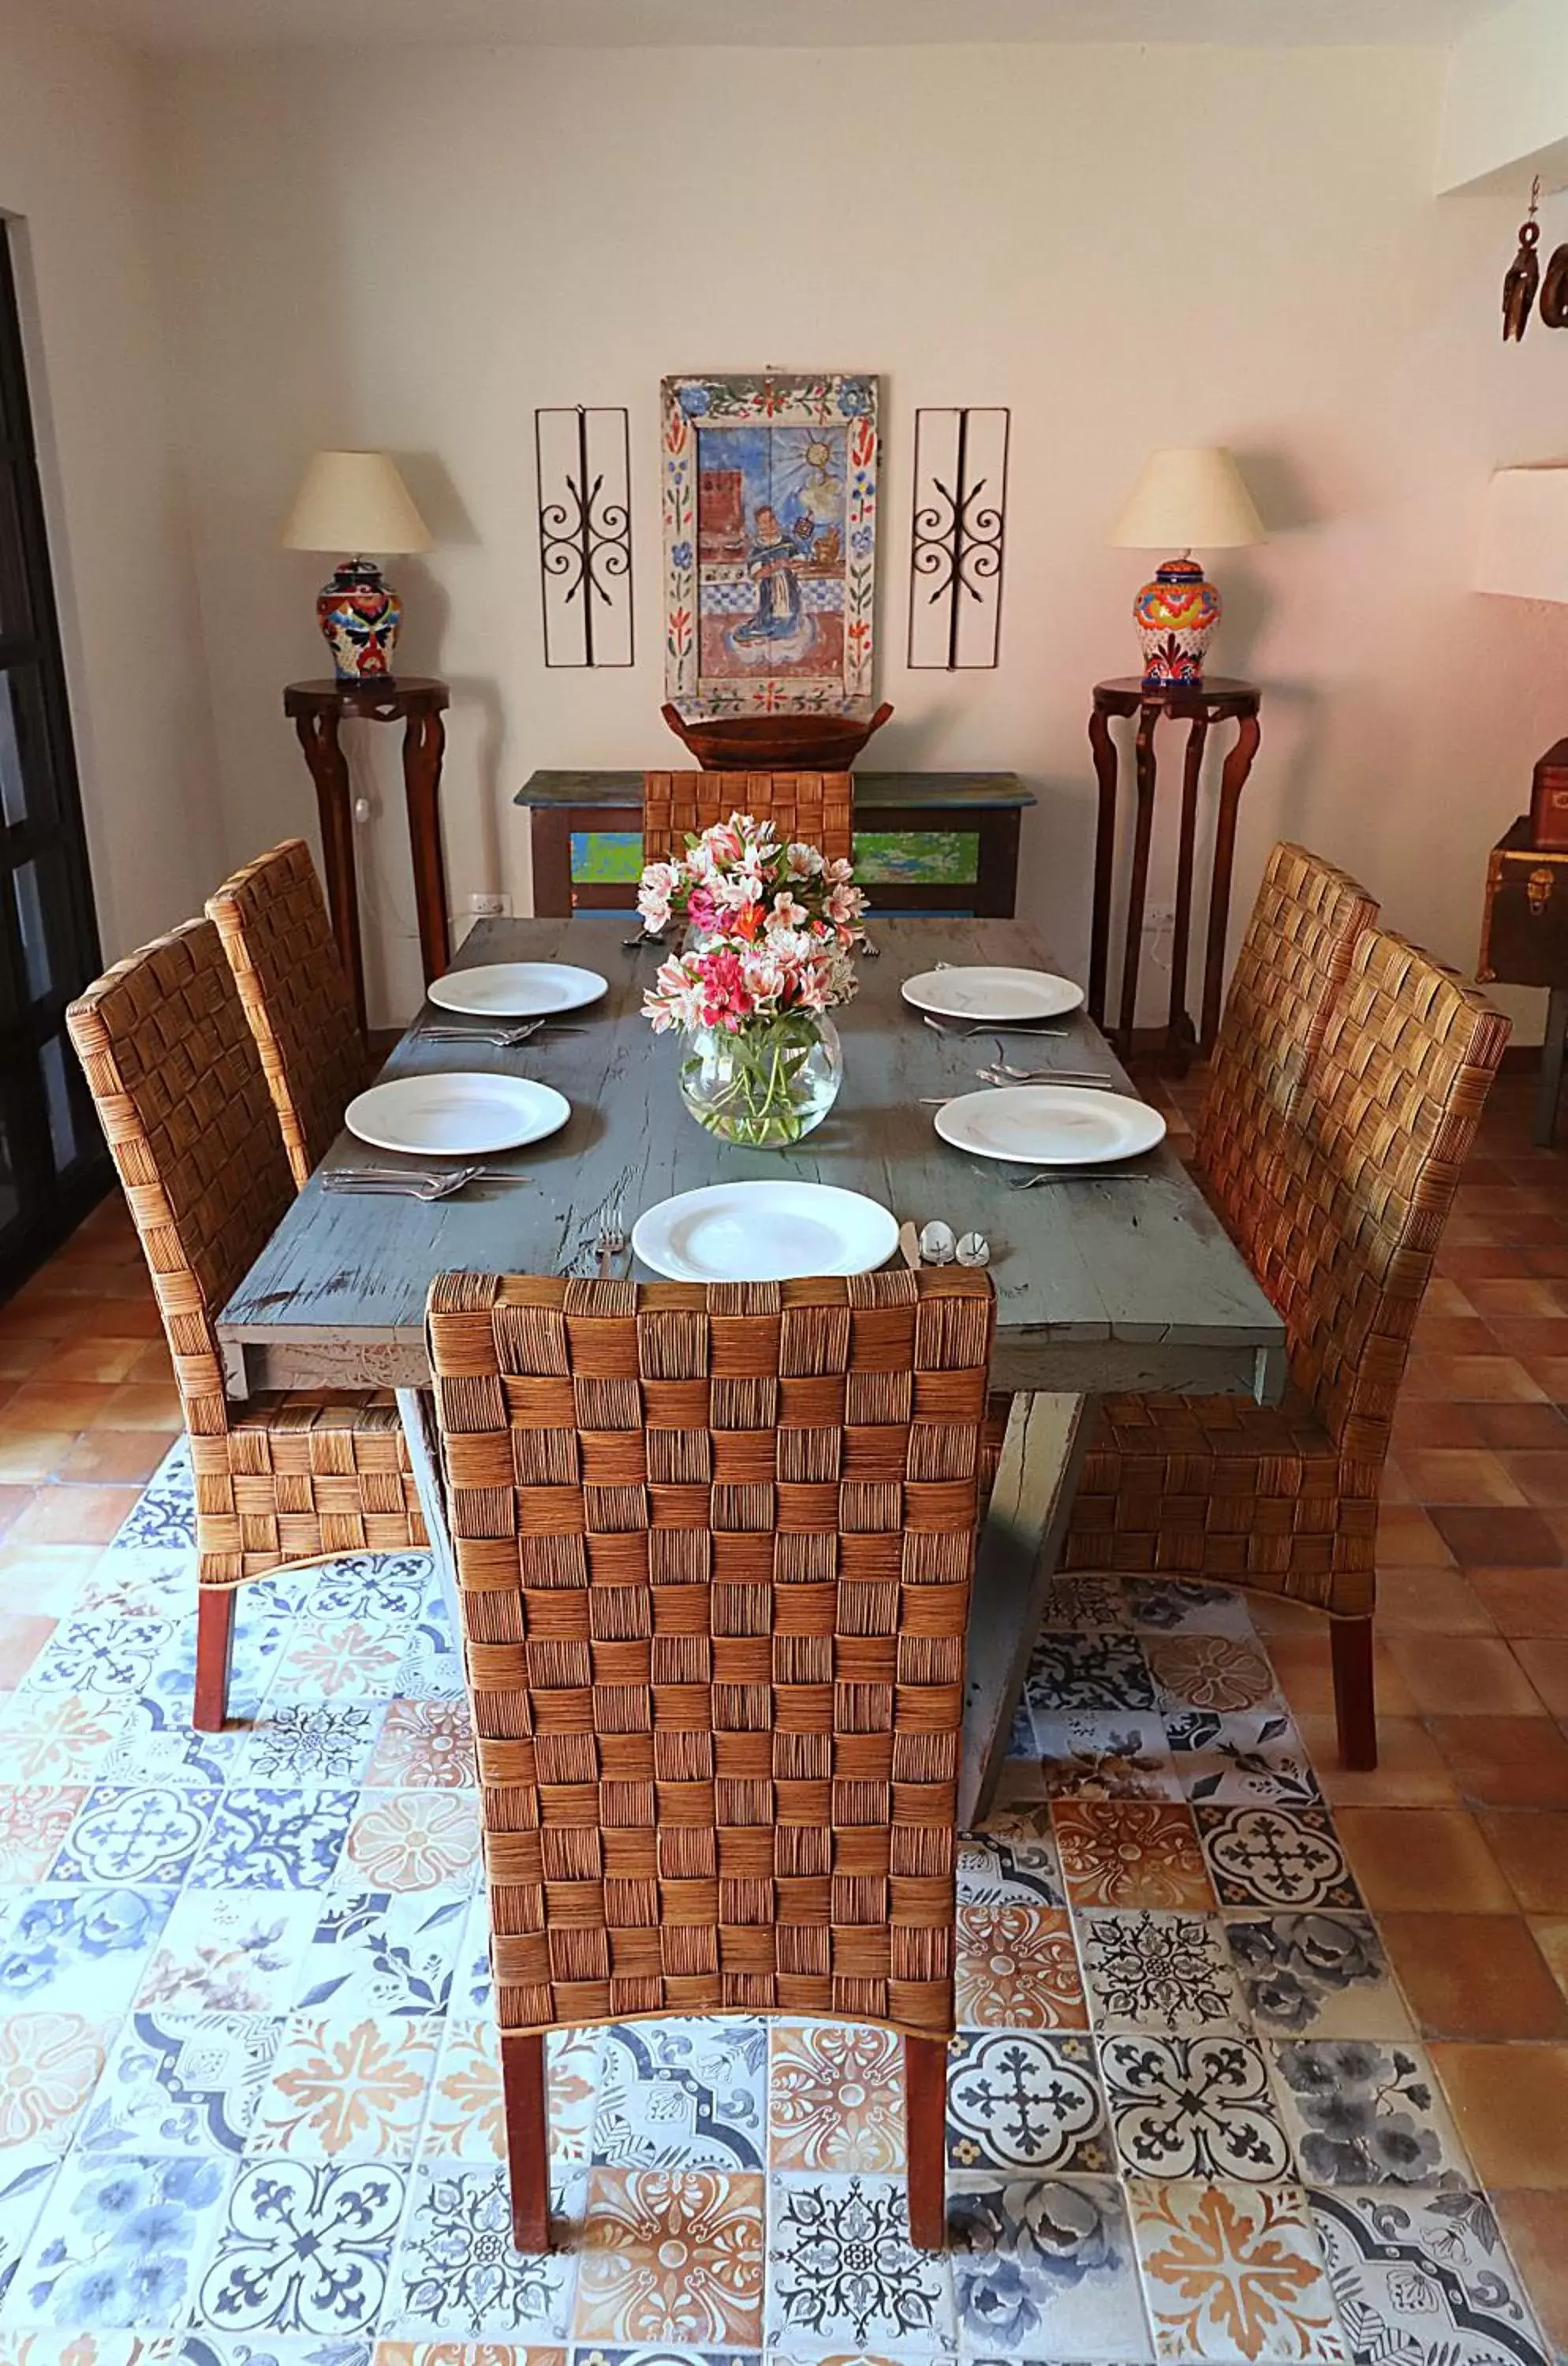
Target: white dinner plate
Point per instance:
(457, 1116)
(1007, 996)
(517, 989)
(1050, 1125)
(764, 1231)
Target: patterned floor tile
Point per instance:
(1104, 1756)
(266, 1837)
(489, 2353)
(1088, 1672)
(1012, 1863)
(78, 1950)
(1084, 1602)
(27, 2174)
(836, 2093)
(843, 2276)
(104, 1656)
(225, 1951)
(1017, 2100)
(182, 2082)
(306, 2248)
(1184, 2106)
(1253, 1758)
(120, 2243)
(1182, 1607)
(1362, 2114)
(333, 1657)
(136, 1833)
(424, 1744)
(457, 2275)
(1165, 1974)
(672, 2256)
(1017, 1968)
(1045, 2268)
(1276, 1857)
(1233, 2271)
(393, 1587)
(412, 1840)
(156, 1745)
(682, 2094)
(310, 1742)
(50, 2064)
(380, 1952)
(1220, 1672)
(34, 1820)
(1131, 1852)
(1316, 1975)
(339, 2089)
(1423, 2280)
(44, 1737)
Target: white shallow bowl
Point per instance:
(764, 1231)
(1050, 1125)
(517, 989)
(457, 1116)
(1007, 995)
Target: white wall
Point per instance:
(1129, 247)
(75, 166)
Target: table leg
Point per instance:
(1232, 779)
(1047, 1437)
(424, 736)
(1178, 1025)
(549, 848)
(329, 771)
(1552, 1051)
(1137, 888)
(1105, 771)
(418, 1416)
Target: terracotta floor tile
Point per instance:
(146, 1405)
(1438, 1601)
(1504, 1536)
(1303, 1665)
(95, 1359)
(44, 1579)
(1540, 1473)
(1463, 1675)
(1550, 1933)
(44, 1403)
(1446, 1297)
(152, 1364)
(1395, 1487)
(28, 1456)
(124, 1318)
(1474, 1976)
(1549, 1374)
(1506, 1762)
(1520, 1296)
(1467, 1264)
(1423, 1860)
(23, 1635)
(1535, 2229)
(1406, 1535)
(19, 1358)
(1510, 2105)
(15, 1497)
(1467, 1334)
(1545, 1662)
(1524, 1601)
(117, 1454)
(1470, 1378)
(1531, 1336)
(1411, 1771)
(1551, 1263)
(1532, 1851)
(76, 1515)
(1453, 1475)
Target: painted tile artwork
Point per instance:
(250, 2093)
(769, 542)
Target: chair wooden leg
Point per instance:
(925, 2122)
(522, 2081)
(214, 1649)
(1354, 1703)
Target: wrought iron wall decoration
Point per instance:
(584, 458)
(957, 538)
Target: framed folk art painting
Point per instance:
(770, 544)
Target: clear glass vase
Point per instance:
(768, 1084)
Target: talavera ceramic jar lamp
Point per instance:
(1187, 497)
(356, 502)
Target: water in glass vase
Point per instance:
(768, 1083)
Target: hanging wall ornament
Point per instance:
(1523, 275)
(1554, 291)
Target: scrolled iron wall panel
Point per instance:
(582, 456)
(958, 537)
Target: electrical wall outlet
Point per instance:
(491, 907)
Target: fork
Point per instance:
(1038, 1175)
(502, 1039)
(1001, 1072)
(420, 1187)
(611, 1243)
(990, 1027)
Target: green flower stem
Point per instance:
(759, 1104)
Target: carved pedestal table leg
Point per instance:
(1232, 779)
(1144, 762)
(424, 736)
(329, 771)
(1105, 771)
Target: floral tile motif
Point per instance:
(466, 2353)
(682, 2094)
(334, 1658)
(306, 2248)
(1104, 1756)
(1223, 1672)
(338, 2090)
(224, 1951)
(425, 1745)
(1255, 1758)
(34, 1820)
(1077, 1602)
(371, 1585)
(836, 2094)
(103, 1657)
(78, 1950)
(140, 1832)
(412, 1840)
(1088, 1672)
(50, 2064)
(376, 1953)
(157, 1744)
(472, 1987)
(432, 1670)
(672, 2256)
(1319, 1974)
(465, 2119)
(1158, 1973)
(120, 2243)
(1233, 2271)
(1012, 1863)
(27, 2173)
(312, 1741)
(181, 2082)
(164, 1519)
(44, 1737)
(1017, 1968)
(1194, 2107)
(1276, 1857)
(1131, 1852)
(1018, 2100)
(458, 2274)
(1162, 1605)
(137, 1582)
(1044, 2268)
(1423, 2280)
(269, 1838)
(1362, 2113)
(843, 2275)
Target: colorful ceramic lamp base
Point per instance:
(359, 614)
(1176, 616)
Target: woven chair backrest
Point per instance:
(1365, 1176)
(805, 809)
(1289, 975)
(177, 1080)
(276, 932)
(713, 1550)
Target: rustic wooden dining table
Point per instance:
(1101, 1284)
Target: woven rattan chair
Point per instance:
(715, 1549)
(1284, 1499)
(811, 808)
(280, 1479)
(295, 994)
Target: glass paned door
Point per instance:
(52, 1161)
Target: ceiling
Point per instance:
(796, 24)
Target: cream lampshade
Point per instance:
(1186, 496)
(356, 502)
(1524, 552)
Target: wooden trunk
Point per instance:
(1524, 930)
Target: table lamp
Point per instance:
(1524, 552)
(356, 502)
(1193, 495)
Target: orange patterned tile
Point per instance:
(1017, 1968)
(1131, 1852)
(835, 2098)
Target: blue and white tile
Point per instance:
(1279, 1858)
(266, 1836)
(1423, 2278)
(1018, 2100)
(310, 1742)
(843, 2275)
(158, 1744)
(1080, 1672)
(1104, 1754)
(78, 1949)
(108, 1656)
(205, 2349)
(386, 1953)
(472, 1986)
(1244, 1758)
(137, 1832)
(1012, 1863)
(459, 2276)
(1167, 1606)
(372, 1586)
(1316, 1975)
(1156, 1972)
(1364, 2114)
(1044, 2268)
(164, 1519)
(181, 2081)
(306, 2248)
(27, 2173)
(1084, 1602)
(230, 1951)
(432, 1667)
(1194, 2107)
(139, 1582)
(121, 2242)
(686, 2094)
(258, 1642)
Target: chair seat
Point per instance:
(296, 1477)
